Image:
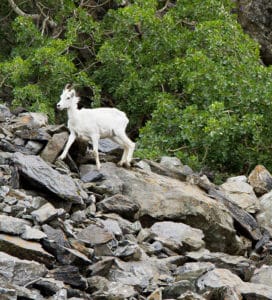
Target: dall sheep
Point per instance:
(93, 124)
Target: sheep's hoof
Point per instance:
(123, 164)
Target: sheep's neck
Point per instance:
(72, 111)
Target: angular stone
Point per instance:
(119, 204)
(25, 249)
(242, 194)
(42, 175)
(19, 272)
(54, 147)
(260, 179)
(45, 213)
(13, 225)
(176, 235)
(94, 234)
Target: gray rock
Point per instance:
(25, 249)
(119, 204)
(170, 162)
(54, 147)
(12, 225)
(41, 174)
(45, 213)
(19, 272)
(108, 146)
(178, 235)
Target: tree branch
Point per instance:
(35, 17)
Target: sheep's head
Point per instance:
(68, 98)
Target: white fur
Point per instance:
(93, 124)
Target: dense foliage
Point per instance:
(190, 80)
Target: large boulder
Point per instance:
(165, 198)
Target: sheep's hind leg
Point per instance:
(128, 146)
(95, 140)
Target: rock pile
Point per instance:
(156, 231)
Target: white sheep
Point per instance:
(93, 124)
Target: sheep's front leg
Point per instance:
(69, 143)
(95, 140)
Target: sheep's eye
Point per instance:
(68, 98)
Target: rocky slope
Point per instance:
(155, 231)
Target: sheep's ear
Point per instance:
(73, 94)
(68, 86)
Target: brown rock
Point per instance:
(54, 146)
(261, 180)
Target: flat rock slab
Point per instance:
(38, 172)
(25, 249)
(17, 271)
